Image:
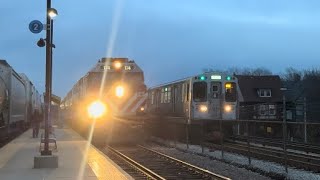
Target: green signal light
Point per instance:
(202, 78)
(228, 78)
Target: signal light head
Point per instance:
(228, 78)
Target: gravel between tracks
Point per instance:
(215, 166)
(212, 161)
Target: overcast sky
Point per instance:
(169, 39)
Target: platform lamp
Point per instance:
(51, 13)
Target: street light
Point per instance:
(51, 13)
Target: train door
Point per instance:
(215, 100)
(186, 98)
(176, 101)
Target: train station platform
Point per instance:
(77, 160)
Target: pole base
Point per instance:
(46, 153)
(45, 162)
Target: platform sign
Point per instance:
(35, 26)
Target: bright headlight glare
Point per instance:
(119, 91)
(117, 65)
(96, 109)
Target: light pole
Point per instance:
(284, 128)
(51, 13)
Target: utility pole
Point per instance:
(284, 127)
(47, 99)
(305, 120)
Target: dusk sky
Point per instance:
(168, 39)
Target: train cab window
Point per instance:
(215, 92)
(199, 91)
(231, 92)
(214, 88)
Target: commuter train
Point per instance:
(113, 85)
(18, 100)
(199, 100)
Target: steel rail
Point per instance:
(196, 168)
(147, 172)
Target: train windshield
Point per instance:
(199, 91)
(231, 92)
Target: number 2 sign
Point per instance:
(35, 26)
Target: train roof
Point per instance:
(101, 66)
(105, 65)
(188, 78)
(6, 64)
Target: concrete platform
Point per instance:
(77, 160)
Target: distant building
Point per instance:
(260, 97)
(303, 100)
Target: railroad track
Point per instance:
(279, 143)
(144, 163)
(308, 162)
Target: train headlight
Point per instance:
(96, 109)
(203, 108)
(227, 108)
(119, 91)
(117, 65)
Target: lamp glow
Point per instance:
(203, 108)
(52, 13)
(117, 65)
(227, 108)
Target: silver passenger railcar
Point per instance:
(208, 96)
(194, 107)
(18, 98)
(12, 100)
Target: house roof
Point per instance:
(249, 86)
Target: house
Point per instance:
(260, 97)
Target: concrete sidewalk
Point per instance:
(16, 160)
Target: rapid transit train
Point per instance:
(199, 100)
(113, 87)
(205, 96)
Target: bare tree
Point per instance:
(292, 75)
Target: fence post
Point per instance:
(284, 127)
(221, 138)
(175, 134)
(187, 135)
(305, 120)
(202, 137)
(248, 143)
